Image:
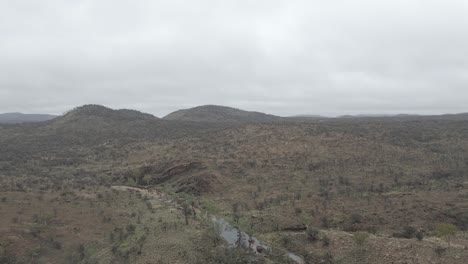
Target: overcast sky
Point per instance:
(282, 57)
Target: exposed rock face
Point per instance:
(190, 177)
(164, 173)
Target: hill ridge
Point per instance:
(218, 113)
(96, 110)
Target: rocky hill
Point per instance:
(108, 113)
(215, 113)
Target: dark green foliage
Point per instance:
(407, 232)
(352, 222)
(314, 258)
(325, 241)
(326, 221)
(440, 251)
(419, 235)
(312, 234)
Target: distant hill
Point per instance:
(306, 117)
(407, 117)
(13, 118)
(460, 116)
(215, 113)
(88, 123)
(377, 115)
(108, 113)
(95, 124)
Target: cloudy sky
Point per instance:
(281, 57)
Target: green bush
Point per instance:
(312, 234)
(325, 241)
(446, 231)
(408, 232)
(360, 238)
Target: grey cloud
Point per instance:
(281, 57)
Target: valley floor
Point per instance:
(123, 224)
